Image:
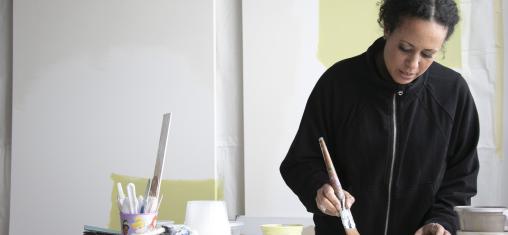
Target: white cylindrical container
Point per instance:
(207, 217)
(236, 227)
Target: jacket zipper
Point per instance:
(394, 145)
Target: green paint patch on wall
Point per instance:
(451, 54)
(347, 28)
(176, 194)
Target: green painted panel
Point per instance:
(451, 54)
(500, 71)
(347, 28)
(176, 194)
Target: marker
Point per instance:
(133, 202)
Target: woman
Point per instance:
(402, 131)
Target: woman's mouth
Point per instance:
(406, 75)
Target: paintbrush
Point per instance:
(345, 213)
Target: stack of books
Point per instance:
(92, 230)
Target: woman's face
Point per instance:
(410, 49)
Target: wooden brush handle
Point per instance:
(352, 231)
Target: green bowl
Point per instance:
(282, 229)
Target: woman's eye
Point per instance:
(427, 55)
(404, 49)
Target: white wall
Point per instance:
(479, 55)
(91, 82)
(280, 69)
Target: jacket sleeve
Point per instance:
(303, 168)
(459, 180)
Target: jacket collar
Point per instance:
(388, 85)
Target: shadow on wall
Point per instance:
(176, 194)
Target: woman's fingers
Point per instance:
(438, 229)
(328, 202)
(328, 208)
(329, 194)
(324, 200)
(432, 229)
(349, 199)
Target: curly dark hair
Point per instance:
(444, 12)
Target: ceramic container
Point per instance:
(282, 229)
(137, 223)
(207, 217)
(236, 227)
(482, 219)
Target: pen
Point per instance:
(133, 201)
(121, 195)
(121, 198)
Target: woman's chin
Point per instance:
(403, 80)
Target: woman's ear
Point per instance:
(386, 33)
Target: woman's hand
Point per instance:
(432, 229)
(328, 203)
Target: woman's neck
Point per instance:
(381, 66)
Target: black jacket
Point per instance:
(407, 153)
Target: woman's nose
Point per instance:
(412, 61)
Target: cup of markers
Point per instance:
(138, 214)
